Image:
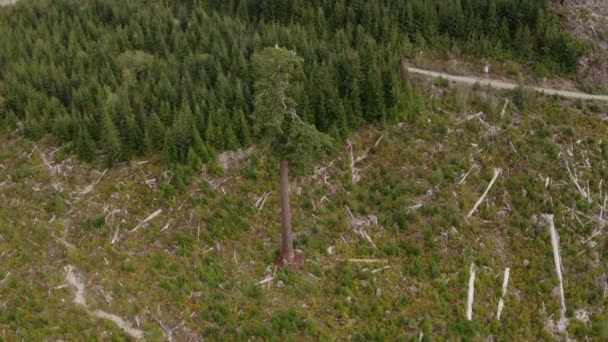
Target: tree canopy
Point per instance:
(136, 77)
(275, 118)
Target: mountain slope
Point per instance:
(203, 268)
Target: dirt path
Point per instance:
(7, 2)
(74, 280)
(506, 85)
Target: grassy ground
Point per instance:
(193, 271)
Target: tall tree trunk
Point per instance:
(287, 253)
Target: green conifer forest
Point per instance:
(127, 78)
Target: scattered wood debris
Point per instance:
(583, 316)
(573, 177)
(358, 224)
(231, 159)
(270, 274)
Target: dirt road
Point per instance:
(506, 85)
(7, 2)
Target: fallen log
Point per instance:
(557, 260)
(471, 292)
(501, 302)
(480, 200)
(148, 219)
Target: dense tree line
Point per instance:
(174, 77)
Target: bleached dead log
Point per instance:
(378, 141)
(167, 333)
(501, 302)
(380, 269)
(166, 226)
(557, 260)
(364, 155)
(148, 219)
(5, 278)
(580, 189)
(268, 279)
(353, 170)
(504, 108)
(313, 276)
(473, 116)
(591, 237)
(466, 175)
(259, 204)
(65, 243)
(480, 200)
(115, 236)
(414, 207)
(471, 292)
(365, 261)
(353, 161)
(259, 200)
(87, 189)
(601, 219)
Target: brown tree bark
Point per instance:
(287, 253)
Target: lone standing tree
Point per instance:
(284, 135)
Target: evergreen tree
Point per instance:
(169, 148)
(284, 134)
(110, 141)
(85, 146)
(155, 133)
